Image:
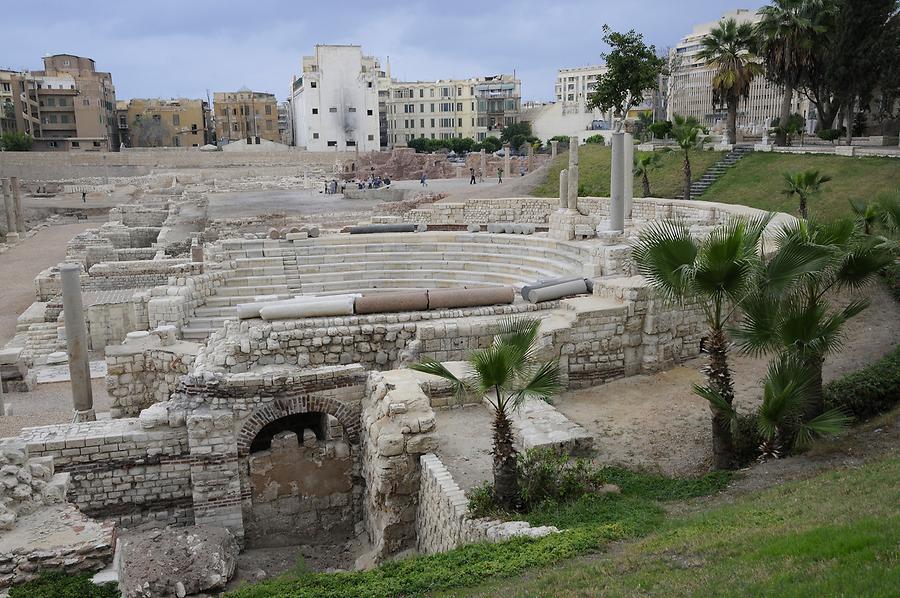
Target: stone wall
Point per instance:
(442, 519)
(174, 303)
(146, 370)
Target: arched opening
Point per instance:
(304, 483)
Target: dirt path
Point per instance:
(655, 422)
(22, 263)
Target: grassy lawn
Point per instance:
(593, 165)
(757, 181)
(833, 535)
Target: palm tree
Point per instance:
(789, 311)
(505, 374)
(727, 48)
(804, 185)
(867, 215)
(716, 272)
(786, 34)
(780, 419)
(643, 165)
(686, 132)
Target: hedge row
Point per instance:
(869, 391)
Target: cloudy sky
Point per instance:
(182, 48)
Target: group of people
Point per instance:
(472, 173)
(331, 187)
(374, 182)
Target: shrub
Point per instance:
(829, 134)
(595, 139)
(61, 585)
(548, 474)
(746, 439)
(661, 128)
(12, 141)
(869, 391)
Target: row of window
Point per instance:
(481, 121)
(334, 110)
(348, 142)
(446, 92)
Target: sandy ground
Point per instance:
(47, 404)
(300, 202)
(654, 422)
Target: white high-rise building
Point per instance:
(335, 100)
(690, 86)
(574, 85)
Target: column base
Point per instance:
(88, 415)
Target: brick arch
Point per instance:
(282, 407)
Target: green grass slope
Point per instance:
(593, 165)
(758, 181)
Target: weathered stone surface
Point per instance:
(167, 562)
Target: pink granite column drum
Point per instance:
(392, 302)
(473, 297)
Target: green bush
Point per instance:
(829, 134)
(60, 585)
(548, 474)
(661, 128)
(595, 139)
(869, 391)
(746, 439)
(12, 141)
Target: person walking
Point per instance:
(480, 176)
(423, 180)
(472, 172)
(499, 176)
(84, 197)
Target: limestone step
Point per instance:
(518, 276)
(230, 301)
(251, 291)
(366, 284)
(190, 333)
(210, 322)
(214, 312)
(254, 281)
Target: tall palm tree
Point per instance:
(804, 185)
(791, 313)
(780, 419)
(686, 132)
(505, 374)
(644, 164)
(786, 34)
(716, 272)
(728, 48)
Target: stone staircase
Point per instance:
(715, 171)
(341, 264)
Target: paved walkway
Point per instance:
(19, 266)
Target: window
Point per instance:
(332, 144)
(421, 107)
(432, 108)
(351, 143)
(268, 110)
(315, 110)
(176, 141)
(268, 124)
(421, 93)
(64, 118)
(76, 144)
(459, 106)
(96, 144)
(351, 109)
(176, 120)
(460, 123)
(51, 101)
(368, 113)
(312, 83)
(371, 138)
(85, 102)
(432, 123)
(422, 123)
(369, 84)
(315, 135)
(332, 109)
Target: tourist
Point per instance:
(480, 176)
(522, 170)
(499, 176)
(423, 181)
(84, 197)
(472, 172)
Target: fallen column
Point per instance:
(473, 297)
(387, 228)
(247, 311)
(76, 342)
(558, 291)
(341, 305)
(392, 302)
(540, 284)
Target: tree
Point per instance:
(632, 68)
(661, 128)
(149, 132)
(716, 272)
(491, 144)
(13, 141)
(787, 32)
(516, 134)
(796, 125)
(804, 185)
(505, 374)
(644, 164)
(867, 215)
(686, 132)
(727, 48)
(788, 311)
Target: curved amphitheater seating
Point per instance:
(341, 264)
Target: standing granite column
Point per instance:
(563, 189)
(483, 163)
(76, 342)
(9, 202)
(628, 160)
(554, 147)
(573, 173)
(617, 184)
(506, 157)
(17, 197)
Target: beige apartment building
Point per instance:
(156, 122)
(68, 105)
(690, 86)
(245, 114)
(444, 109)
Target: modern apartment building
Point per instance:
(245, 114)
(574, 85)
(444, 109)
(690, 86)
(336, 100)
(155, 122)
(68, 105)
(286, 122)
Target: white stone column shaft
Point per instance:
(76, 342)
(617, 184)
(10, 205)
(17, 197)
(506, 159)
(628, 174)
(563, 189)
(483, 163)
(554, 148)
(573, 173)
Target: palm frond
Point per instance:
(759, 330)
(785, 394)
(829, 423)
(520, 335)
(429, 365)
(543, 383)
(718, 402)
(861, 265)
(664, 254)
